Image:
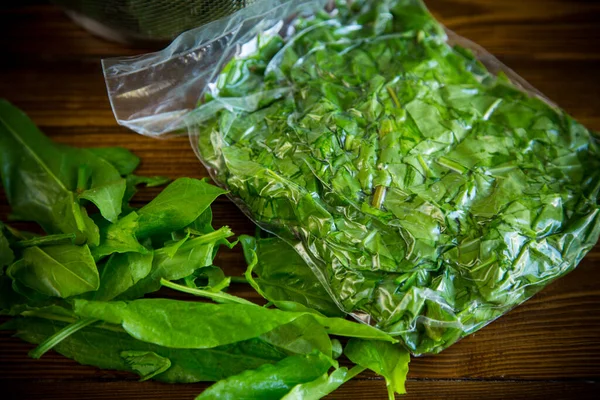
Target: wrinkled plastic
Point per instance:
(153, 93)
(429, 188)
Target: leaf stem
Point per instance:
(393, 96)
(46, 240)
(216, 296)
(379, 196)
(357, 369)
(82, 177)
(222, 233)
(391, 394)
(59, 336)
(238, 279)
(451, 164)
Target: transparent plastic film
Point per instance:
(151, 94)
(428, 187)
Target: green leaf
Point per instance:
(336, 348)
(102, 347)
(48, 240)
(41, 178)
(146, 363)
(118, 237)
(203, 223)
(6, 254)
(171, 248)
(11, 302)
(59, 336)
(133, 181)
(302, 336)
(269, 381)
(284, 276)
(318, 388)
(121, 272)
(122, 159)
(193, 254)
(60, 270)
(177, 206)
(386, 359)
(177, 324)
(216, 296)
(16, 298)
(107, 197)
(210, 278)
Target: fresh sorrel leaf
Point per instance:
(44, 181)
(102, 347)
(177, 206)
(386, 359)
(192, 255)
(122, 159)
(194, 325)
(282, 275)
(6, 254)
(318, 388)
(121, 272)
(270, 381)
(146, 364)
(60, 270)
(133, 181)
(118, 237)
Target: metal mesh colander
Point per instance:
(155, 20)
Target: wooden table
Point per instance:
(546, 349)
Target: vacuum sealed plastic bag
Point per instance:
(428, 187)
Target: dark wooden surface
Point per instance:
(548, 348)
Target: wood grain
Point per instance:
(357, 389)
(547, 348)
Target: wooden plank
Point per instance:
(359, 389)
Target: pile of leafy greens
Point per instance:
(428, 195)
(79, 288)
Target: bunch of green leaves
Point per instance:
(424, 192)
(79, 289)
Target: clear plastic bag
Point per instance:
(428, 187)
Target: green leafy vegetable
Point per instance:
(118, 237)
(146, 363)
(48, 240)
(215, 279)
(6, 254)
(386, 359)
(61, 270)
(133, 181)
(216, 296)
(59, 336)
(176, 207)
(318, 388)
(425, 193)
(171, 248)
(192, 255)
(122, 159)
(301, 336)
(284, 276)
(180, 324)
(269, 381)
(44, 181)
(121, 272)
(102, 347)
